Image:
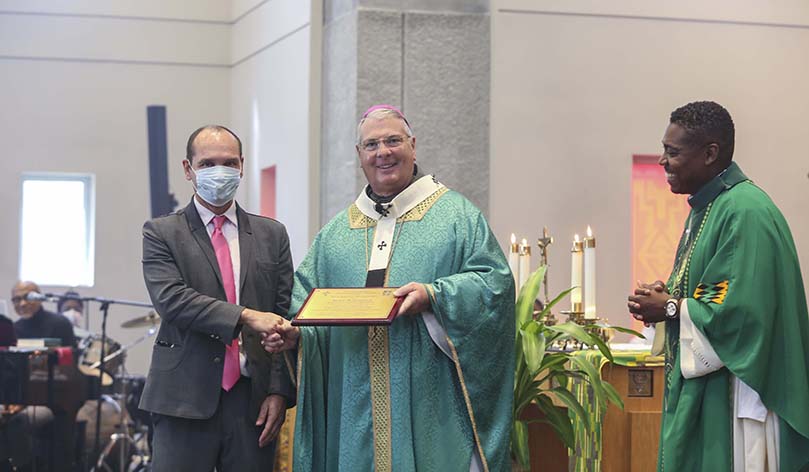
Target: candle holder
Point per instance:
(599, 327)
(576, 315)
(596, 326)
(550, 320)
(524, 249)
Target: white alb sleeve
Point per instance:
(697, 356)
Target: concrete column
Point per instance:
(429, 57)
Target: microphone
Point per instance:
(38, 297)
(35, 297)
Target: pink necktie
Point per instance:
(232, 371)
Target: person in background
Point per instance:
(37, 322)
(71, 306)
(30, 426)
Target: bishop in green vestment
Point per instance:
(433, 391)
(734, 307)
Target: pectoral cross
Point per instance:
(382, 209)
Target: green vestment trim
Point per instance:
(380, 396)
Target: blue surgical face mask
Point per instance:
(217, 185)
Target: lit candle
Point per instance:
(525, 262)
(589, 276)
(576, 260)
(513, 261)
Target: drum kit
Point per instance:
(122, 427)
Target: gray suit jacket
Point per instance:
(185, 285)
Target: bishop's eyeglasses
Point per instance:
(390, 142)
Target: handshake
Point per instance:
(277, 333)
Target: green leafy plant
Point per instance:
(544, 374)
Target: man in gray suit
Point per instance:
(220, 278)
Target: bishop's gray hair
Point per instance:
(381, 114)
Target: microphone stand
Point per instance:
(105, 306)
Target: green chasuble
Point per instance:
(738, 272)
(433, 391)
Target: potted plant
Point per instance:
(543, 373)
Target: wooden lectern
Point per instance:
(629, 438)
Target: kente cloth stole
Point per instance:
(385, 235)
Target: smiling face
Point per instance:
(688, 165)
(389, 167)
(23, 307)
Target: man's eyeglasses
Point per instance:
(390, 142)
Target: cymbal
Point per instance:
(142, 321)
(106, 379)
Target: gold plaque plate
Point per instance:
(349, 306)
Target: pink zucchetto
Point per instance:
(383, 106)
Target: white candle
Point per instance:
(525, 263)
(513, 261)
(589, 276)
(576, 261)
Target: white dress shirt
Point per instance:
(231, 232)
(230, 229)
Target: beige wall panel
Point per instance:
(574, 97)
(203, 10)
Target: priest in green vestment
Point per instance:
(432, 391)
(734, 310)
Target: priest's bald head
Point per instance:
(386, 149)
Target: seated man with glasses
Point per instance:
(27, 432)
(37, 322)
(433, 390)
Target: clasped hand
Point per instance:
(648, 302)
(277, 333)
